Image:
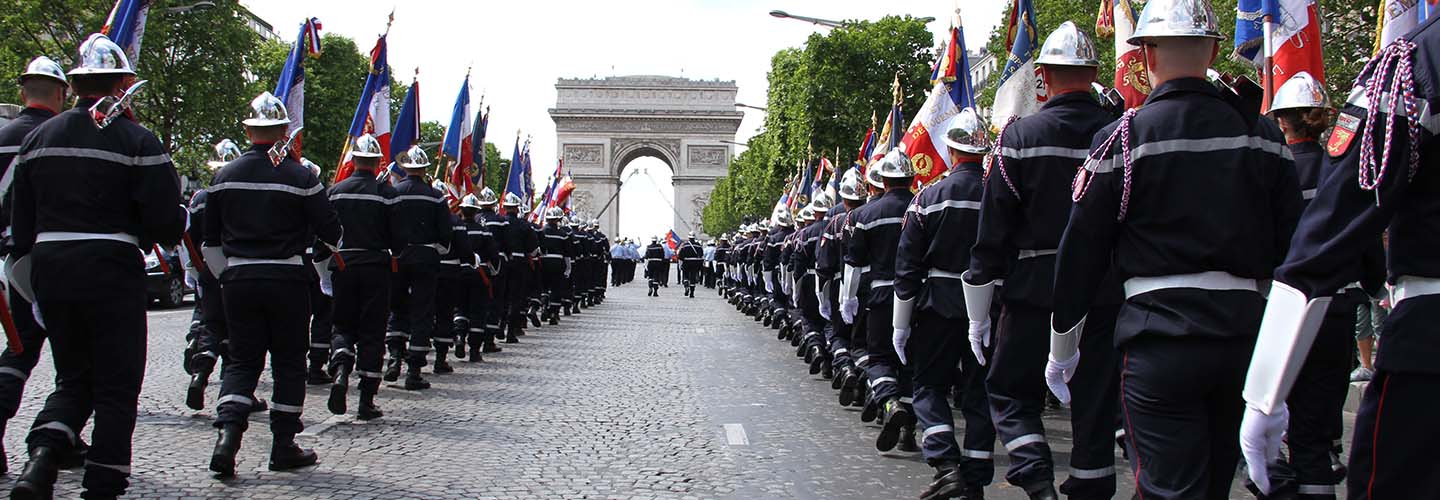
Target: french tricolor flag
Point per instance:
(126, 26)
(457, 145)
(372, 115)
(1291, 45)
(291, 87)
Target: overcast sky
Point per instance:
(519, 48)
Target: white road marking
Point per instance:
(735, 435)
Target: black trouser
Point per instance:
(214, 338)
(1318, 398)
(447, 305)
(810, 318)
(498, 306)
(1016, 384)
(1094, 409)
(1393, 455)
(518, 275)
(1181, 405)
(412, 307)
(15, 368)
(837, 331)
(99, 352)
(936, 352)
(321, 324)
(266, 316)
(888, 378)
(362, 295)
(552, 275)
(690, 271)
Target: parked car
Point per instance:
(166, 288)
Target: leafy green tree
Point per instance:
(333, 81)
(53, 28)
(821, 98)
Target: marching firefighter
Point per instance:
(1382, 148)
(557, 253)
(212, 336)
(938, 231)
(484, 285)
(806, 288)
(67, 240)
(264, 209)
(449, 296)
(44, 89)
(322, 306)
(1023, 215)
(655, 265)
(845, 351)
(720, 262)
(869, 284)
(692, 257)
(423, 231)
(1194, 290)
(521, 245)
(362, 288)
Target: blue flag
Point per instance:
(407, 128)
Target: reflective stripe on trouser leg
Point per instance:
(1094, 409)
(1016, 385)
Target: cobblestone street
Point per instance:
(640, 398)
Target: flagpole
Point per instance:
(1268, 72)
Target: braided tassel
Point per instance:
(1123, 133)
(1396, 57)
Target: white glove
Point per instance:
(899, 339)
(192, 278)
(326, 287)
(769, 283)
(848, 310)
(979, 338)
(1260, 436)
(1058, 373)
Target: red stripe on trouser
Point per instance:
(1375, 438)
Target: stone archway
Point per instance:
(602, 124)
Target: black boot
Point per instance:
(949, 482)
(367, 409)
(510, 336)
(392, 365)
(195, 393)
(413, 381)
(317, 375)
(897, 418)
(474, 355)
(489, 346)
(442, 366)
(1043, 491)
(554, 316)
(37, 479)
(849, 387)
(339, 386)
(870, 411)
(839, 379)
(907, 441)
(460, 344)
(222, 460)
(817, 360)
(286, 455)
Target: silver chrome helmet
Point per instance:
(1300, 91)
(965, 132)
(1068, 46)
(511, 200)
(314, 169)
(470, 201)
(554, 213)
(100, 56)
(781, 217)
(367, 147)
(266, 110)
(1176, 18)
(413, 158)
(850, 187)
(807, 214)
(692, 235)
(44, 67)
(821, 203)
(225, 152)
(895, 165)
(488, 198)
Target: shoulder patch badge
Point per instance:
(1342, 134)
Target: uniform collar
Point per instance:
(261, 148)
(85, 102)
(38, 111)
(1069, 97)
(367, 174)
(973, 164)
(1180, 86)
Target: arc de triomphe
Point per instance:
(602, 124)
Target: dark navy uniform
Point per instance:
(421, 224)
(692, 257)
(871, 247)
(449, 297)
(829, 263)
(773, 277)
(721, 266)
(655, 266)
(522, 245)
(802, 263)
(83, 202)
(211, 339)
(15, 368)
(1023, 215)
(1194, 227)
(263, 217)
(933, 253)
(1393, 452)
(558, 257)
(362, 289)
(481, 287)
(497, 226)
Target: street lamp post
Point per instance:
(186, 9)
(757, 108)
(826, 22)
